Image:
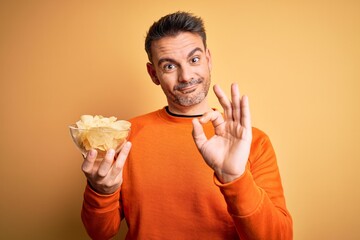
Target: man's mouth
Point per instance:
(188, 89)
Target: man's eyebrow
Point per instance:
(165, 60)
(173, 61)
(194, 51)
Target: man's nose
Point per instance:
(186, 74)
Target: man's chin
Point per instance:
(190, 101)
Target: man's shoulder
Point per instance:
(259, 136)
(145, 118)
(258, 132)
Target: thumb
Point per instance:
(198, 133)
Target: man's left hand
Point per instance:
(227, 152)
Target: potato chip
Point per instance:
(102, 133)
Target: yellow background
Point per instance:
(299, 62)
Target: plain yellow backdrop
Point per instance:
(299, 62)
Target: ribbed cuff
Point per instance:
(101, 202)
(243, 196)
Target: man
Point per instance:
(192, 172)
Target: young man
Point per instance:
(192, 172)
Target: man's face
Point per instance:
(181, 65)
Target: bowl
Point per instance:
(99, 138)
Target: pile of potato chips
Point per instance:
(102, 133)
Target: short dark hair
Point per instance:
(173, 24)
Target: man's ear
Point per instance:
(152, 73)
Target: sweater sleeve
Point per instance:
(101, 214)
(256, 200)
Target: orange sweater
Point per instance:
(169, 192)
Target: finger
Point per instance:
(120, 160)
(245, 112)
(214, 116)
(198, 133)
(224, 101)
(89, 161)
(106, 163)
(235, 98)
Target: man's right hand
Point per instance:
(105, 177)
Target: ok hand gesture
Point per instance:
(227, 152)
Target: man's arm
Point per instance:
(101, 214)
(250, 183)
(256, 200)
(101, 206)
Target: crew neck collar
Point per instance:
(181, 115)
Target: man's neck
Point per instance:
(195, 110)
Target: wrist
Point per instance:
(226, 178)
(101, 190)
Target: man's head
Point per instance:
(180, 62)
(172, 25)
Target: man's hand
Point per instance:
(227, 152)
(105, 177)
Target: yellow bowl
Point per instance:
(99, 138)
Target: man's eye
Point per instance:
(169, 67)
(195, 59)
